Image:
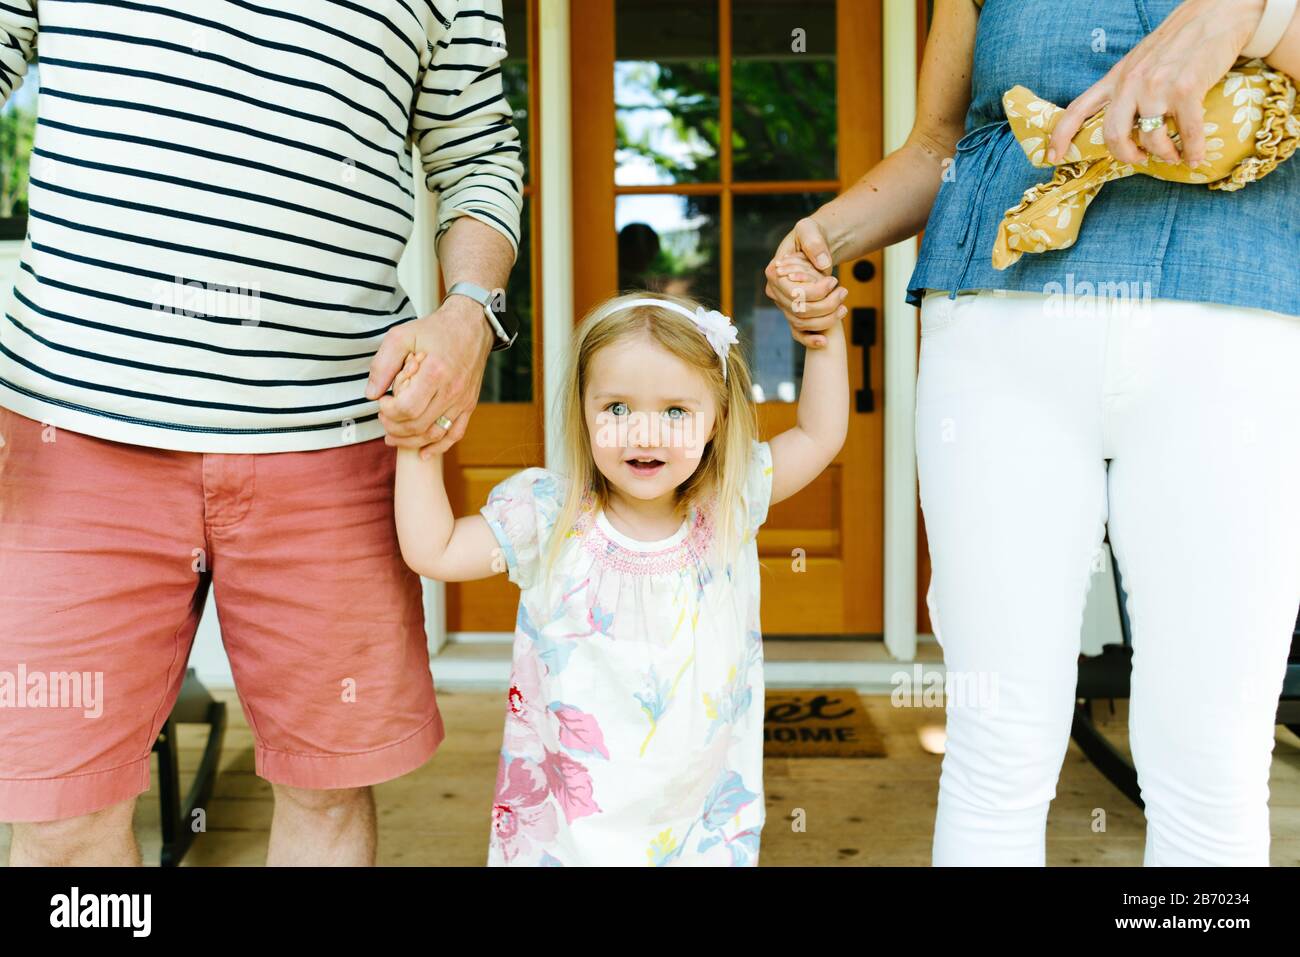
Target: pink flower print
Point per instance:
(521, 814)
(525, 698)
(599, 621)
(526, 713)
(571, 785)
(579, 731)
(520, 782)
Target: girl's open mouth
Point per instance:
(644, 467)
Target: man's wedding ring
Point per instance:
(443, 423)
(1149, 124)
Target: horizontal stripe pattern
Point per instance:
(220, 192)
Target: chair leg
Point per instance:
(1103, 755)
(169, 786)
(194, 706)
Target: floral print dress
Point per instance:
(634, 719)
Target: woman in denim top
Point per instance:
(1140, 386)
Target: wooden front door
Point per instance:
(703, 129)
(506, 432)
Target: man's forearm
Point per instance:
(469, 251)
(472, 251)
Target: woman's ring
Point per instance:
(1149, 124)
(443, 422)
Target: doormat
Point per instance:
(819, 723)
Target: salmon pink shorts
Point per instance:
(107, 552)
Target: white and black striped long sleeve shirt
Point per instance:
(220, 192)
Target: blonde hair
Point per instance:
(719, 478)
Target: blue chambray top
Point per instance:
(1158, 239)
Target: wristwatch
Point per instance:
(505, 326)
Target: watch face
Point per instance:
(501, 326)
(504, 327)
(508, 323)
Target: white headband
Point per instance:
(716, 327)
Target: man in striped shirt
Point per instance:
(205, 317)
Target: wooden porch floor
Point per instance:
(858, 812)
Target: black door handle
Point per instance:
(862, 326)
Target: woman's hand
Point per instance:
(799, 281)
(1169, 72)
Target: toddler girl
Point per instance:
(634, 720)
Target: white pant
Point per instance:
(1177, 428)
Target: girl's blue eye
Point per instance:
(680, 413)
(618, 408)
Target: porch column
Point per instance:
(900, 78)
(556, 207)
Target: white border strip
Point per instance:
(556, 190)
(868, 677)
(900, 77)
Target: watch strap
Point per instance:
(484, 298)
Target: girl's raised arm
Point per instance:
(800, 454)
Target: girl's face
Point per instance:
(649, 417)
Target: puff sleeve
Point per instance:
(521, 512)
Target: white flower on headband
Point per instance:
(718, 329)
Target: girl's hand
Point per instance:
(408, 371)
(811, 303)
(812, 306)
(796, 268)
(803, 281)
(1169, 72)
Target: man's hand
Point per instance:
(456, 341)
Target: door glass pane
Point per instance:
(509, 374)
(514, 72)
(669, 244)
(665, 92)
(17, 129)
(775, 359)
(783, 90)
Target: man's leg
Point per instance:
(100, 839)
(333, 828)
(101, 588)
(324, 627)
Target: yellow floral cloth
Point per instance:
(1250, 127)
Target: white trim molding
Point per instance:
(556, 190)
(900, 77)
(482, 662)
